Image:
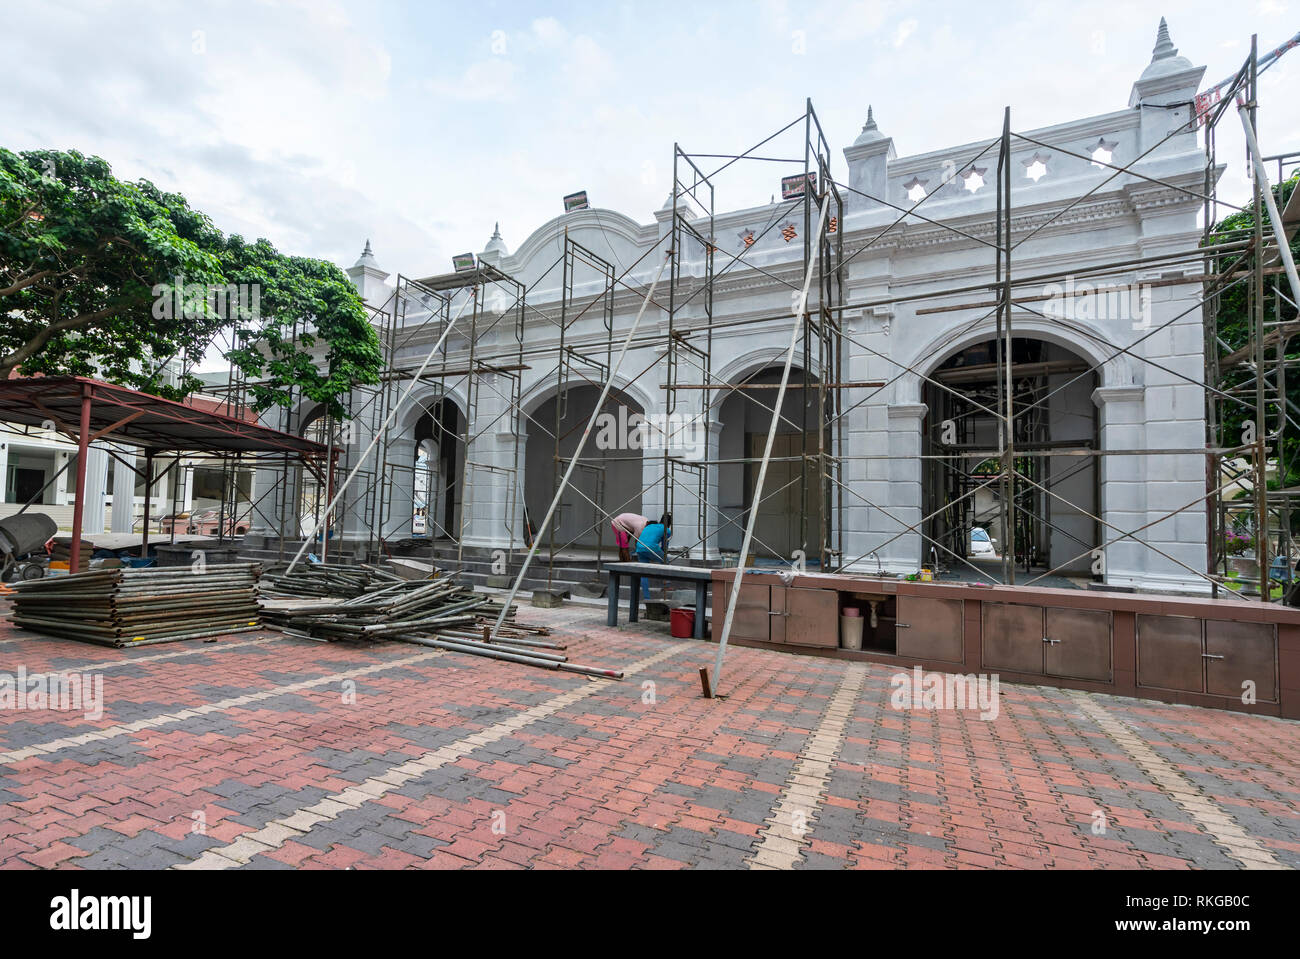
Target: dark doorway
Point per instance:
(1055, 492)
(27, 483)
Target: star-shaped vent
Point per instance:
(1036, 166)
(973, 177)
(1103, 151)
(915, 189)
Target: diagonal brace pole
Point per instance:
(1266, 190)
(795, 329)
(582, 442)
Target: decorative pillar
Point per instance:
(123, 518)
(868, 160)
(1122, 424)
(96, 484)
(61, 495)
(401, 480)
(904, 470)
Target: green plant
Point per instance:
(1233, 309)
(88, 264)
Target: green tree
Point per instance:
(100, 277)
(1234, 329)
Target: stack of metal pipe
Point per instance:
(366, 605)
(325, 580)
(128, 607)
(400, 606)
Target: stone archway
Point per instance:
(439, 434)
(794, 502)
(1057, 495)
(607, 481)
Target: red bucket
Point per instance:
(681, 623)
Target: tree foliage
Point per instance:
(87, 262)
(1234, 333)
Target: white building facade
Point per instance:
(1069, 211)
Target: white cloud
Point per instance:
(905, 30)
(318, 123)
(491, 79)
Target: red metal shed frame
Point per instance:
(89, 410)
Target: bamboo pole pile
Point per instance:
(140, 607)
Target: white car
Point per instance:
(980, 543)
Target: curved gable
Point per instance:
(608, 234)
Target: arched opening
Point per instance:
(608, 479)
(1056, 492)
(439, 459)
(795, 499)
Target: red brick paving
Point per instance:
(611, 781)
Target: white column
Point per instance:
(123, 493)
(1122, 421)
(904, 493)
(186, 476)
(61, 485)
(713, 519)
(501, 433)
(401, 501)
(869, 429)
(95, 498)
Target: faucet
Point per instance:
(880, 570)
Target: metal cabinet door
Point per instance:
(930, 629)
(1169, 653)
(1078, 644)
(808, 617)
(751, 620)
(1012, 637)
(1237, 652)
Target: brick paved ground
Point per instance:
(268, 752)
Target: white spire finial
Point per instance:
(870, 132)
(367, 257)
(496, 244)
(1164, 48)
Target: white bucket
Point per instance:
(850, 632)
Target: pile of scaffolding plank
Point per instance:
(140, 607)
(371, 605)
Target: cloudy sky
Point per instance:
(320, 123)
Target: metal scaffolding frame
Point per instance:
(1247, 375)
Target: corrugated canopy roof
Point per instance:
(124, 415)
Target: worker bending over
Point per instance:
(627, 531)
(637, 534)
